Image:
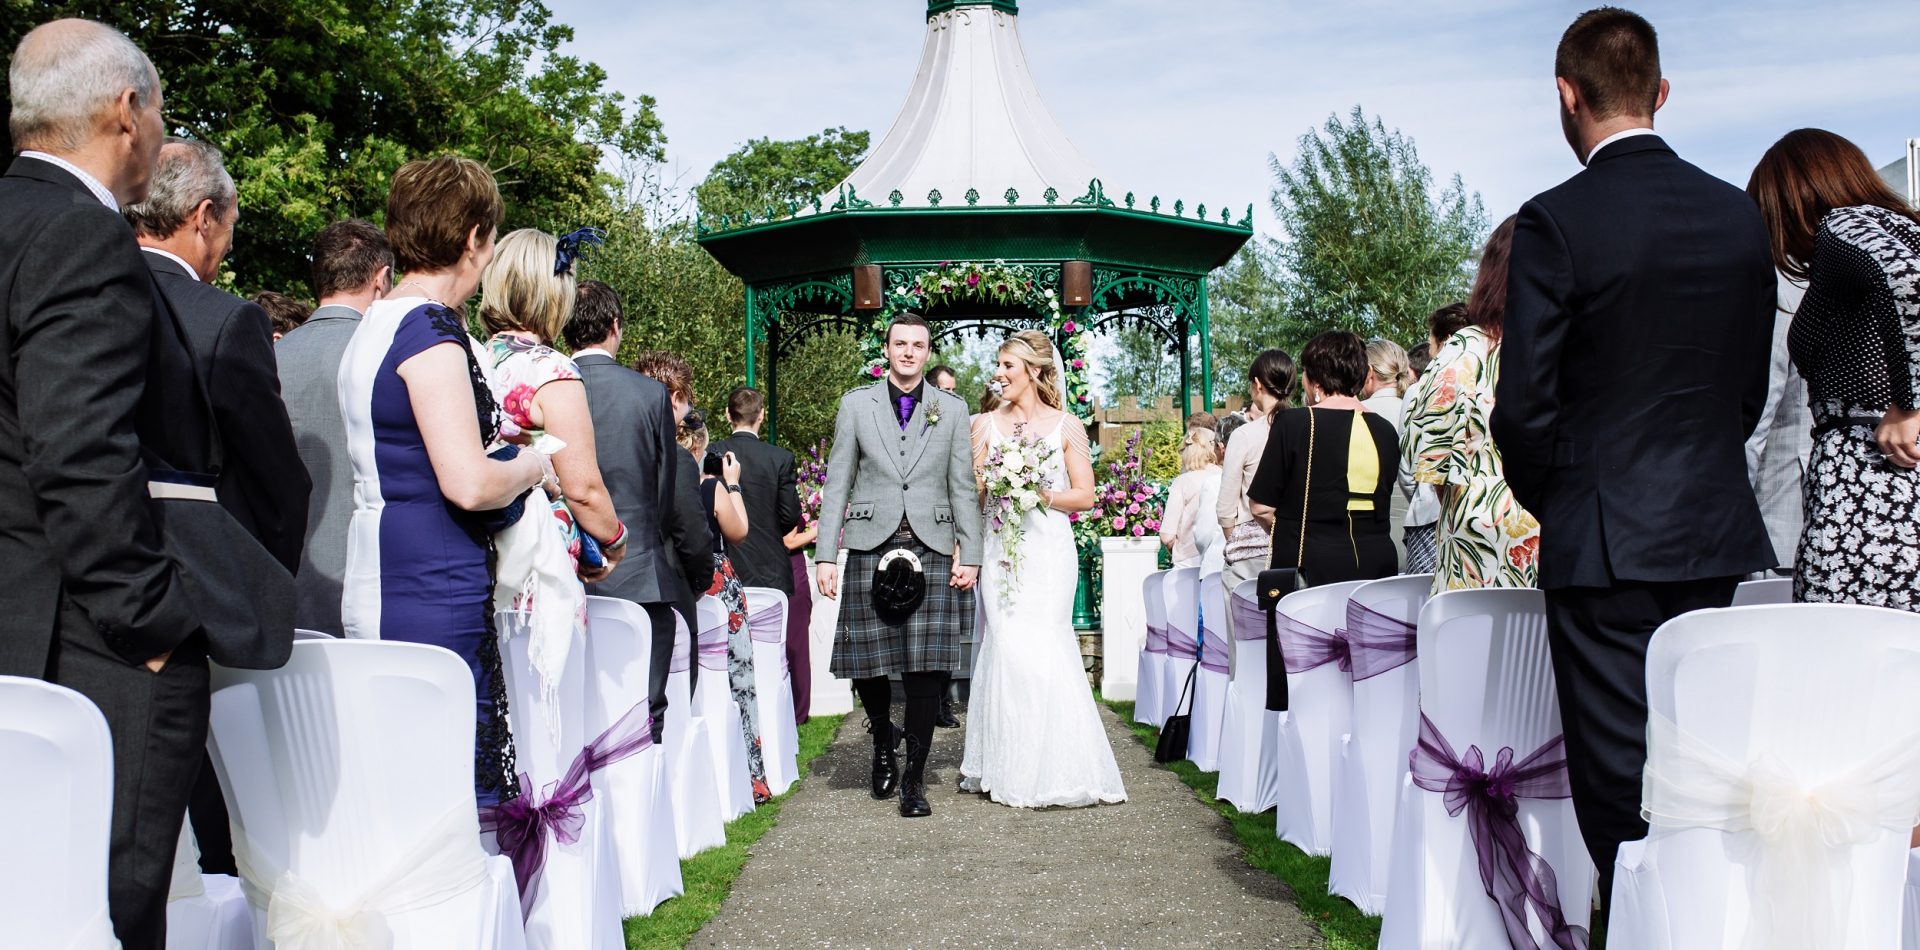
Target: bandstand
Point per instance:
(977, 212)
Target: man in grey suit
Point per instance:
(352, 267)
(900, 431)
(634, 418)
(1778, 450)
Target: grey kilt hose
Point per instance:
(865, 646)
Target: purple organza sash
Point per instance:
(521, 826)
(765, 624)
(1304, 646)
(682, 657)
(1249, 621)
(1156, 638)
(1213, 649)
(1513, 875)
(713, 647)
(1376, 642)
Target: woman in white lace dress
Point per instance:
(1034, 738)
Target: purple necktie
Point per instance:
(906, 410)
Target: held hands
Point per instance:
(1899, 437)
(963, 577)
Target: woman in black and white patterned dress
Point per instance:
(1856, 340)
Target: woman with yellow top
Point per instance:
(1345, 510)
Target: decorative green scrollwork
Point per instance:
(770, 213)
(1012, 196)
(1155, 204)
(700, 226)
(1225, 215)
(894, 197)
(933, 198)
(1200, 212)
(1051, 194)
(1096, 196)
(1129, 201)
(1179, 291)
(1179, 208)
(973, 197)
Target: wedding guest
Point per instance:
(634, 428)
(729, 523)
(428, 495)
(185, 225)
(352, 267)
(1834, 223)
(943, 377)
(684, 519)
(91, 600)
(526, 296)
(1270, 383)
(1389, 375)
(284, 313)
(771, 494)
(1485, 538)
(1419, 358)
(1341, 532)
(1781, 446)
(1195, 489)
(1633, 365)
(1423, 502)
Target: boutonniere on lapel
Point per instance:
(933, 417)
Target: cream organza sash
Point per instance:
(1800, 836)
(447, 862)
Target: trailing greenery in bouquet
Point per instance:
(1014, 476)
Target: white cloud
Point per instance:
(1188, 100)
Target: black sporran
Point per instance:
(899, 586)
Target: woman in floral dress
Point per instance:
(1485, 538)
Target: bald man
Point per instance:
(97, 391)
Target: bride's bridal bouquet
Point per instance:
(1015, 474)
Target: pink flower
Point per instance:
(519, 400)
(1079, 364)
(1139, 531)
(1073, 516)
(1119, 522)
(1139, 496)
(1070, 327)
(878, 371)
(1134, 508)
(973, 280)
(1096, 513)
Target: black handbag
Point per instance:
(1275, 583)
(1178, 729)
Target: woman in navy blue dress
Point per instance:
(419, 419)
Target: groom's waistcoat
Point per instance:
(879, 473)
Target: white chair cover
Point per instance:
(204, 911)
(1772, 590)
(301, 633)
(1180, 597)
(713, 702)
(1249, 759)
(348, 775)
(773, 687)
(1910, 904)
(1319, 707)
(638, 799)
(1210, 684)
(578, 901)
(1373, 759)
(1487, 685)
(1782, 781)
(58, 761)
(1148, 706)
(697, 820)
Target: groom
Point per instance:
(900, 431)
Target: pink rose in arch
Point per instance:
(1079, 364)
(1071, 327)
(878, 371)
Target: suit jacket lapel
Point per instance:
(888, 421)
(919, 433)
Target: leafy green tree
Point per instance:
(1368, 244)
(316, 105)
(766, 173)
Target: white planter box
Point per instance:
(1126, 562)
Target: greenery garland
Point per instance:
(999, 283)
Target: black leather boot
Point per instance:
(946, 719)
(913, 785)
(886, 757)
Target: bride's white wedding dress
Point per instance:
(1034, 738)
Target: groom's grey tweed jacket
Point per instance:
(878, 473)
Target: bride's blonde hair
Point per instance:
(1034, 349)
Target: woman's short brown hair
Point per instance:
(433, 204)
(1335, 361)
(668, 369)
(1806, 174)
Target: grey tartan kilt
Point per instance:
(864, 645)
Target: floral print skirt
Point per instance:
(1862, 540)
(726, 586)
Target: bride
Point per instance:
(1034, 738)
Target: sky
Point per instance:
(1189, 100)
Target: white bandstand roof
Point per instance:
(973, 119)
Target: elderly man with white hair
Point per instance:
(97, 389)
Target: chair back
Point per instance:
(1388, 602)
(682, 659)
(301, 633)
(1771, 590)
(1214, 649)
(335, 764)
(1323, 608)
(58, 759)
(1485, 675)
(713, 633)
(1182, 599)
(767, 614)
(619, 641)
(1153, 594)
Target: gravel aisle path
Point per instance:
(843, 870)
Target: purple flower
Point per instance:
(973, 280)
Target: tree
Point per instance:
(316, 105)
(765, 173)
(1368, 246)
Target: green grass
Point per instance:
(708, 876)
(1342, 924)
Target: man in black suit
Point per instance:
(97, 391)
(768, 488)
(651, 479)
(1639, 313)
(186, 227)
